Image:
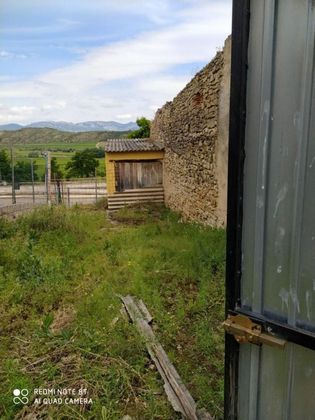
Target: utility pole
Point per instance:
(32, 175)
(12, 176)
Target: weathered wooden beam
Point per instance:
(145, 312)
(175, 389)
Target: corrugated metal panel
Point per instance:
(135, 196)
(279, 171)
(278, 273)
(276, 384)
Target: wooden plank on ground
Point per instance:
(175, 389)
(144, 310)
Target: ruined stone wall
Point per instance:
(194, 130)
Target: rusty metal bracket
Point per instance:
(246, 331)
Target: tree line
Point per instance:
(83, 164)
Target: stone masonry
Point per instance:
(194, 130)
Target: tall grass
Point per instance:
(60, 273)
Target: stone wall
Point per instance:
(194, 130)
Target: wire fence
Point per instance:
(68, 192)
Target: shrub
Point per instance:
(30, 267)
(52, 218)
(6, 228)
(101, 203)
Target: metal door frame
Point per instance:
(240, 36)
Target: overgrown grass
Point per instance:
(60, 320)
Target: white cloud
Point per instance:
(6, 78)
(7, 55)
(124, 116)
(150, 52)
(14, 113)
(60, 25)
(131, 77)
(4, 54)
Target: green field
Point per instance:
(29, 140)
(58, 150)
(30, 136)
(26, 148)
(60, 317)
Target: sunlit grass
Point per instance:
(60, 273)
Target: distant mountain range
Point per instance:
(40, 136)
(74, 127)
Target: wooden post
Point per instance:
(68, 196)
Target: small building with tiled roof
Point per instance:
(134, 171)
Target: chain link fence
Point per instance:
(68, 192)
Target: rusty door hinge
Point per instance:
(246, 331)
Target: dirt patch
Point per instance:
(137, 214)
(63, 318)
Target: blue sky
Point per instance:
(80, 60)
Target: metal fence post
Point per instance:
(62, 192)
(32, 175)
(95, 187)
(12, 176)
(58, 192)
(48, 179)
